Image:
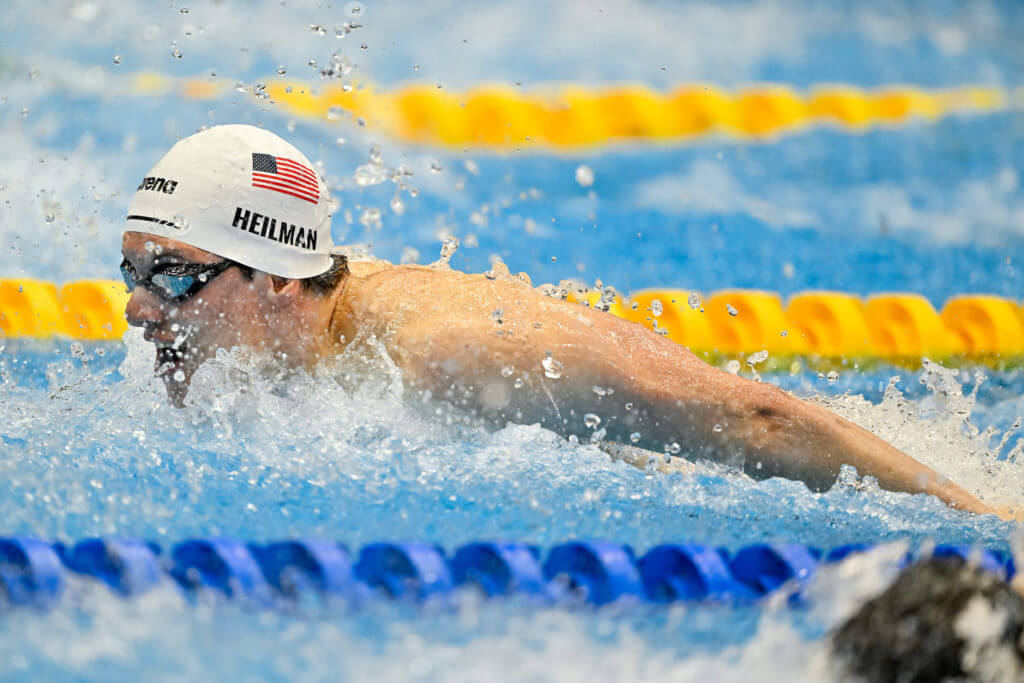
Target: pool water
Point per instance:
(91, 446)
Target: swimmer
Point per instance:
(228, 244)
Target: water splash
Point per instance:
(939, 431)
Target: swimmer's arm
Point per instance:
(771, 431)
(674, 396)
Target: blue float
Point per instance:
(220, 564)
(689, 572)
(128, 566)
(31, 572)
(765, 567)
(293, 567)
(404, 570)
(499, 568)
(600, 571)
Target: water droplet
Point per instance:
(77, 350)
(657, 308)
(335, 113)
(600, 391)
(184, 10)
(339, 141)
(629, 406)
(179, 376)
(49, 218)
(370, 174)
(635, 437)
(732, 311)
(24, 111)
(354, 9)
(755, 358)
(518, 384)
(832, 376)
(471, 167)
(176, 53)
(281, 71)
(552, 368)
(733, 366)
(673, 448)
(717, 429)
(117, 59)
(397, 205)
(370, 218)
(507, 371)
(179, 222)
(584, 175)
(435, 167)
(317, 29)
(448, 249)
(591, 420)
(363, 46)
(693, 300)
(375, 154)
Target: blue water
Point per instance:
(90, 445)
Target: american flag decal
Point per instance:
(284, 175)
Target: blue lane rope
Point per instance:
(35, 573)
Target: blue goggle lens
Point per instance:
(173, 286)
(128, 273)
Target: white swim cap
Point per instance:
(242, 193)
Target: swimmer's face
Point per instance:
(226, 312)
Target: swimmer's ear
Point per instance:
(285, 288)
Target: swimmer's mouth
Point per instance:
(169, 358)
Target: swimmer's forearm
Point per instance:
(771, 432)
(815, 439)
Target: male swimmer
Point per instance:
(228, 243)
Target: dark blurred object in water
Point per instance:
(940, 620)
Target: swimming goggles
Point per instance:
(175, 282)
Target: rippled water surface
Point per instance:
(91, 446)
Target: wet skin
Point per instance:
(453, 333)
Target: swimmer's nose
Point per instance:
(144, 309)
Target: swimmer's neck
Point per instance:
(351, 310)
(337, 315)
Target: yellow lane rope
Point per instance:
(573, 116)
(727, 323)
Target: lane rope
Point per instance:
(571, 116)
(36, 573)
(756, 324)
